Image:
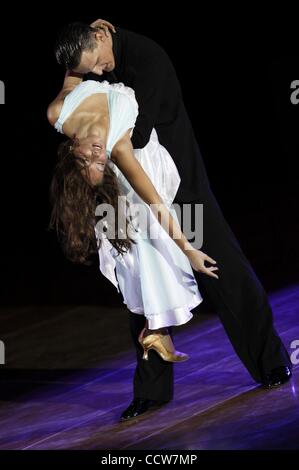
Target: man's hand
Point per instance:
(105, 25)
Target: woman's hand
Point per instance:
(103, 24)
(197, 260)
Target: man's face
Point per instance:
(100, 59)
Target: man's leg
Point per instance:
(153, 379)
(239, 297)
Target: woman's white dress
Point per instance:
(154, 277)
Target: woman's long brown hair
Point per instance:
(74, 202)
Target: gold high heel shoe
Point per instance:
(163, 345)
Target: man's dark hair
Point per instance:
(71, 42)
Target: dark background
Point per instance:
(235, 68)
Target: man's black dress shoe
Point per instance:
(277, 376)
(138, 407)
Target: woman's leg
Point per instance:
(159, 340)
(153, 379)
(162, 331)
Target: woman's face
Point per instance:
(91, 159)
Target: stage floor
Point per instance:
(68, 377)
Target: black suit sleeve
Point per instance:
(148, 86)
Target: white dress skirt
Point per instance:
(154, 277)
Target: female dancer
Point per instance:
(154, 260)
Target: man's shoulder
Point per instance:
(145, 46)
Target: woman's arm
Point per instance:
(71, 80)
(123, 156)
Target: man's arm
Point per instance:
(152, 77)
(71, 80)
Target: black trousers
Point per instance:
(239, 300)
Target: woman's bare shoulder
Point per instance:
(54, 108)
(53, 111)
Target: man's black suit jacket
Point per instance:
(144, 66)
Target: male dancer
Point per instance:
(239, 298)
